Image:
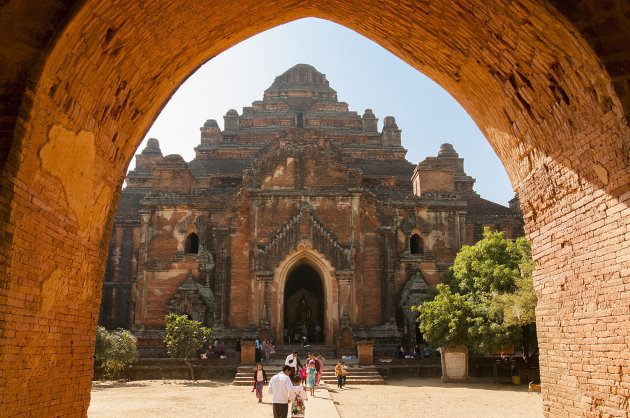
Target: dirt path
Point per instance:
(399, 398)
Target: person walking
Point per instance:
(339, 374)
(344, 373)
(297, 396)
(305, 345)
(267, 350)
(318, 370)
(272, 351)
(303, 373)
(259, 351)
(320, 360)
(279, 387)
(311, 375)
(260, 378)
(292, 361)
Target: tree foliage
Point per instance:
(487, 296)
(185, 336)
(115, 350)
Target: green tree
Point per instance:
(115, 350)
(486, 298)
(490, 266)
(444, 320)
(184, 337)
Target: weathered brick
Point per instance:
(61, 69)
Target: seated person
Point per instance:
(417, 352)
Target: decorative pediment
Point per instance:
(414, 293)
(292, 233)
(192, 299)
(412, 221)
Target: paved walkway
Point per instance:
(321, 405)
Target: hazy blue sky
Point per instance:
(365, 76)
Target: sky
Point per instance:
(364, 74)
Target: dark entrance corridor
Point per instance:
(304, 304)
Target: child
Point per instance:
(303, 373)
(344, 372)
(339, 374)
(272, 350)
(297, 396)
(260, 378)
(311, 373)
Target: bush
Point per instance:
(185, 336)
(115, 350)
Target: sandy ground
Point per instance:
(399, 398)
(432, 398)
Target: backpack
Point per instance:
(297, 407)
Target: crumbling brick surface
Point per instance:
(81, 83)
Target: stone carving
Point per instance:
(192, 299)
(414, 293)
(288, 237)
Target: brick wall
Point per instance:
(80, 86)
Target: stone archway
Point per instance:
(82, 81)
(305, 256)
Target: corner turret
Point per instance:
(391, 133)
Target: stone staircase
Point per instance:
(357, 375)
(282, 351)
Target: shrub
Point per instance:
(115, 350)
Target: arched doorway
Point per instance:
(304, 303)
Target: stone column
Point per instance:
(389, 246)
(454, 364)
(248, 352)
(365, 352)
(344, 282)
(221, 274)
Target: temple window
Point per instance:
(192, 244)
(415, 244)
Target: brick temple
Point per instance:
(299, 214)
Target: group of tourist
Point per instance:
(215, 350)
(341, 372)
(265, 350)
(416, 353)
(289, 386)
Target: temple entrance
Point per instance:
(304, 305)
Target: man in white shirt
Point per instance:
(279, 387)
(292, 361)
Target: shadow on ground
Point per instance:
(108, 385)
